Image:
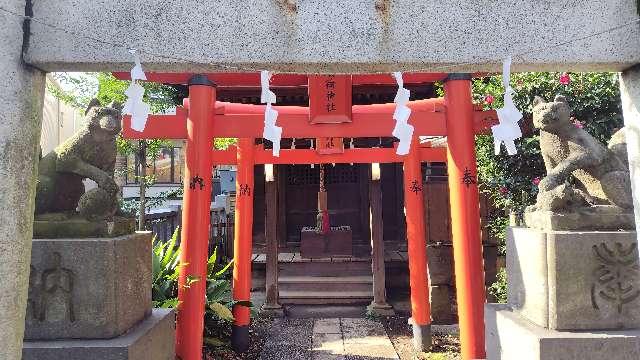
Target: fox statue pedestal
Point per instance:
(90, 298)
(572, 295)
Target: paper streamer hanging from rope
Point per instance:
(271, 132)
(402, 130)
(508, 130)
(135, 106)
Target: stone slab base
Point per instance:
(272, 310)
(380, 309)
(600, 217)
(510, 337)
(56, 226)
(152, 339)
(96, 288)
(574, 280)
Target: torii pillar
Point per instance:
(465, 214)
(417, 249)
(196, 216)
(242, 245)
(21, 99)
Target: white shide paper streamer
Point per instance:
(271, 132)
(402, 130)
(508, 130)
(134, 105)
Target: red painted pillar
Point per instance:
(242, 244)
(417, 249)
(465, 215)
(195, 219)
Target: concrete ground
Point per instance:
(327, 339)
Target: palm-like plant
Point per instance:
(166, 269)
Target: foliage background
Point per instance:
(510, 180)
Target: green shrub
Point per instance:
(164, 263)
(499, 288)
(594, 99)
(219, 301)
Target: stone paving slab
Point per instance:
(371, 351)
(355, 330)
(331, 343)
(327, 326)
(327, 339)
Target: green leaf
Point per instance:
(171, 303)
(211, 263)
(214, 342)
(191, 279)
(244, 303)
(171, 252)
(221, 311)
(217, 290)
(224, 269)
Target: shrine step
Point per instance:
(331, 269)
(326, 297)
(361, 283)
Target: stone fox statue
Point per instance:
(602, 173)
(89, 153)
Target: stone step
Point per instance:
(325, 297)
(325, 283)
(322, 311)
(325, 269)
(366, 279)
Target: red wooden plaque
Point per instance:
(329, 99)
(329, 145)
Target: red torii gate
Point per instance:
(202, 118)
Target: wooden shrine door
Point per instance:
(347, 188)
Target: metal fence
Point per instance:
(163, 224)
(221, 235)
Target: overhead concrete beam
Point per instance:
(336, 36)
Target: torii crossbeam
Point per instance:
(202, 119)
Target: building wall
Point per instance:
(59, 120)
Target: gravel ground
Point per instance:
(258, 331)
(445, 347)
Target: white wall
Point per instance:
(59, 120)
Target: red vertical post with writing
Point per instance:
(242, 244)
(195, 219)
(465, 215)
(417, 249)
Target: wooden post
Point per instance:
(465, 214)
(417, 249)
(271, 304)
(142, 181)
(379, 306)
(243, 244)
(196, 218)
(280, 173)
